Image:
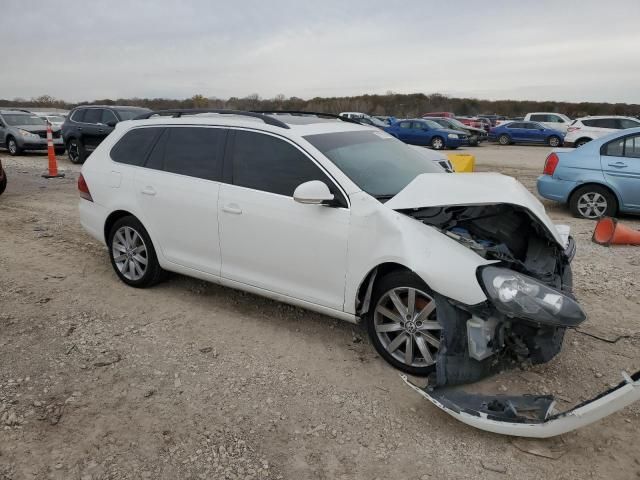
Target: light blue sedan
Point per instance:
(600, 178)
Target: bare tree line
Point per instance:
(397, 104)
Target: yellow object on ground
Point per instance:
(462, 162)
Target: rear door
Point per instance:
(533, 132)
(90, 128)
(177, 193)
(270, 241)
(420, 133)
(403, 131)
(620, 160)
(516, 132)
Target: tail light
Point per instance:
(550, 164)
(572, 129)
(83, 188)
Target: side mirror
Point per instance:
(111, 123)
(314, 192)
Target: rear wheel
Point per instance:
(132, 254)
(593, 202)
(12, 147)
(76, 151)
(504, 139)
(437, 143)
(402, 323)
(553, 141)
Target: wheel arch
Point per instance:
(598, 184)
(363, 295)
(113, 218)
(588, 139)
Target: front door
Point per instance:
(272, 242)
(620, 162)
(177, 193)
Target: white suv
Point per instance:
(585, 129)
(557, 121)
(465, 272)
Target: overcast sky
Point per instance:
(575, 50)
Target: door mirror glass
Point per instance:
(110, 123)
(313, 192)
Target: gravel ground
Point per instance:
(191, 380)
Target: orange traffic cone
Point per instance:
(609, 232)
(53, 163)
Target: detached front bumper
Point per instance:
(529, 415)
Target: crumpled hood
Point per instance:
(444, 189)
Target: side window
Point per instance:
(192, 151)
(108, 116)
(615, 148)
(590, 123)
(404, 124)
(93, 115)
(607, 123)
(419, 126)
(538, 118)
(632, 147)
(515, 125)
(78, 115)
(133, 147)
(266, 163)
(626, 123)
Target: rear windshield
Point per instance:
(129, 114)
(378, 163)
(16, 119)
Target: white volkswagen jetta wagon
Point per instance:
(453, 275)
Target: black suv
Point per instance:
(86, 126)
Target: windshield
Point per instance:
(374, 160)
(458, 124)
(17, 119)
(129, 114)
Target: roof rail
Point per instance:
(303, 113)
(176, 113)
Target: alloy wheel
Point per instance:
(503, 140)
(592, 205)
(406, 324)
(12, 147)
(129, 253)
(73, 153)
(554, 141)
(437, 143)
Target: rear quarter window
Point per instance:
(134, 146)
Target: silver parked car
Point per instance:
(21, 130)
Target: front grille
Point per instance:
(44, 134)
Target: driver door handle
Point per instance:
(232, 208)
(618, 165)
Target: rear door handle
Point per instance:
(618, 165)
(148, 191)
(232, 208)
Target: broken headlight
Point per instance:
(520, 296)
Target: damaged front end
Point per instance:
(528, 286)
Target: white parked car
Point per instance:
(585, 129)
(557, 121)
(457, 276)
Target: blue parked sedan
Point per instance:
(525, 132)
(427, 133)
(600, 178)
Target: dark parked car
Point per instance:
(476, 135)
(86, 126)
(427, 133)
(3, 179)
(525, 132)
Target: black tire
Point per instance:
(3, 183)
(581, 141)
(12, 147)
(381, 289)
(76, 151)
(504, 139)
(153, 273)
(595, 192)
(59, 151)
(438, 143)
(554, 141)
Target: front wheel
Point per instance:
(12, 147)
(593, 202)
(554, 141)
(76, 151)
(402, 323)
(132, 254)
(504, 139)
(437, 143)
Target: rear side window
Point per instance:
(192, 151)
(626, 123)
(93, 115)
(405, 124)
(615, 148)
(632, 147)
(268, 164)
(601, 123)
(133, 147)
